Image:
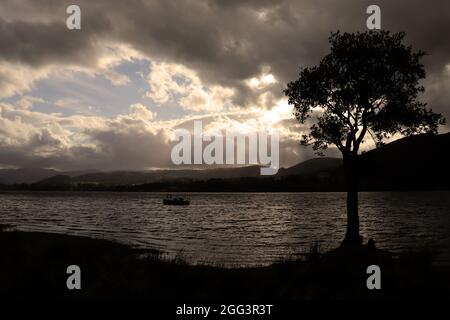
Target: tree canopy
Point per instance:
(368, 83)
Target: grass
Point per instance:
(33, 265)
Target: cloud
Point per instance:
(261, 82)
(139, 111)
(26, 102)
(225, 43)
(128, 141)
(163, 84)
(437, 93)
(17, 79)
(226, 62)
(175, 82)
(131, 141)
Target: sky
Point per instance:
(110, 95)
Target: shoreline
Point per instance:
(138, 189)
(33, 266)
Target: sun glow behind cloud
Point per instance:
(81, 137)
(177, 83)
(109, 95)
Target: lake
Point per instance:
(236, 229)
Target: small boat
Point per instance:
(175, 201)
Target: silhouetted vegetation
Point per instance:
(367, 85)
(34, 264)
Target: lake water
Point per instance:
(236, 228)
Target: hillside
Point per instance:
(312, 167)
(413, 163)
(416, 162)
(141, 177)
(32, 175)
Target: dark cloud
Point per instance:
(224, 41)
(126, 142)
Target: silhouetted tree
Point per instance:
(368, 83)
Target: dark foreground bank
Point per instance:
(33, 266)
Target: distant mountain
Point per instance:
(24, 175)
(32, 175)
(413, 163)
(116, 178)
(309, 167)
(312, 167)
(57, 180)
(140, 177)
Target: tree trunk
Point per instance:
(352, 236)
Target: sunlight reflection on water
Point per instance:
(236, 228)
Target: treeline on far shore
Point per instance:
(249, 184)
